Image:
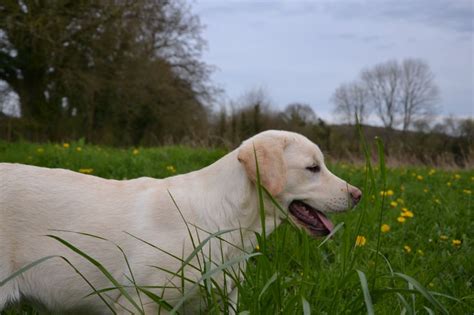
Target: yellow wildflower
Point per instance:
(66, 145)
(472, 178)
(393, 204)
(419, 177)
(86, 170)
(171, 169)
(457, 176)
(443, 237)
(385, 228)
(78, 149)
(407, 214)
(400, 201)
(257, 248)
(426, 190)
(432, 171)
(360, 240)
(386, 193)
(404, 209)
(456, 243)
(449, 184)
(135, 152)
(467, 191)
(407, 249)
(437, 201)
(420, 252)
(401, 219)
(40, 150)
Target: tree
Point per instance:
(111, 67)
(383, 84)
(418, 93)
(398, 93)
(351, 102)
(299, 115)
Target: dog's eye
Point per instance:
(314, 168)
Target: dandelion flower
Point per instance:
(257, 248)
(86, 170)
(432, 172)
(443, 237)
(400, 201)
(407, 249)
(393, 204)
(40, 150)
(135, 152)
(426, 190)
(386, 193)
(360, 240)
(385, 228)
(456, 243)
(467, 191)
(78, 149)
(449, 184)
(457, 176)
(401, 219)
(404, 209)
(407, 214)
(419, 177)
(66, 145)
(171, 169)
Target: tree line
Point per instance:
(109, 71)
(129, 73)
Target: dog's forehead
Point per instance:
(305, 147)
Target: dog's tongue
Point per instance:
(327, 224)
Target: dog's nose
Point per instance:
(356, 195)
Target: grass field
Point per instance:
(407, 248)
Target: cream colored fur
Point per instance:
(34, 201)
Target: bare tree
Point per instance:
(383, 85)
(418, 93)
(351, 102)
(298, 114)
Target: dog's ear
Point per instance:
(271, 163)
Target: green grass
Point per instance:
(414, 267)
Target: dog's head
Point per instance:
(292, 169)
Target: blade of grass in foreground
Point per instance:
(25, 268)
(365, 290)
(423, 291)
(99, 266)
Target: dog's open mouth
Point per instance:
(313, 220)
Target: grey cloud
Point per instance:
(457, 15)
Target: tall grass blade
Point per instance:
(25, 268)
(267, 285)
(408, 309)
(260, 201)
(423, 291)
(102, 269)
(365, 290)
(306, 306)
(209, 274)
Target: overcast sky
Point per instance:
(303, 50)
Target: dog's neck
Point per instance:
(236, 201)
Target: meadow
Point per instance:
(405, 249)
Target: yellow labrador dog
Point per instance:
(34, 201)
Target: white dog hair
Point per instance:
(35, 202)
